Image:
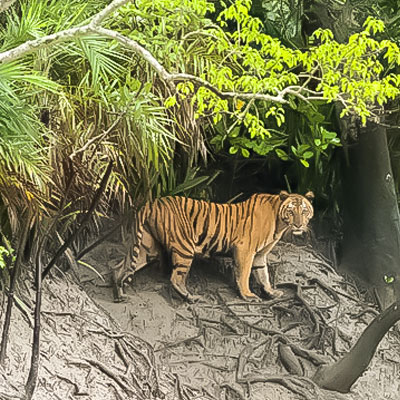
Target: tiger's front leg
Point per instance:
(243, 264)
(260, 271)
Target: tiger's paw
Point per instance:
(192, 298)
(275, 293)
(121, 299)
(250, 297)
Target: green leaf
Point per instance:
(170, 102)
(245, 152)
(317, 142)
(233, 150)
(389, 279)
(308, 154)
(282, 154)
(305, 163)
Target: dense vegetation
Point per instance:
(160, 90)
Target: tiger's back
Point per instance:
(191, 227)
(181, 228)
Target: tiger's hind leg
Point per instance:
(181, 267)
(260, 272)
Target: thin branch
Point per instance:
(93, 27)
(138, 49)
(170, 78)
(85, 220)
(33, 45)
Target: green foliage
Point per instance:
(6, 254)
(351, 73)
(284, 19)
(388, 279)
(104, 102)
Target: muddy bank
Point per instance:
(158, 346)
(233, 348)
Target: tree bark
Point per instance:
(34, 370)
(341, 375)
(14, 275)
(371, 243)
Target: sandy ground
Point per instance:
(206, 343)
(157, 346)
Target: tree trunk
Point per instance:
(371, 245)
(341, 375)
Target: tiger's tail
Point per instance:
(139, 227)
(126, 268)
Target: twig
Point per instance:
(180, 342)
(85, 220)
(310, 311)
(290, 382)
(100, 240)
(118, 379)
(77, 390)
(122, 350)
(326, 288)
(363, 312)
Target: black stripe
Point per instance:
(206, 210)
(228, 227)
(252, 207)
(191, 208)
(214, 241)
(197, 209)
(177, 251)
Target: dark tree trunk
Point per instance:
(341, 375)
(371, 245)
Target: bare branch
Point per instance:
(33, 45)
(68, 34)
(138, 49)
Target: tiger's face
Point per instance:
(296, 211)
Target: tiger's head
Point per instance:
(296, 211)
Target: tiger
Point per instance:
(183, 228)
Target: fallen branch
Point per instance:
(289, 360)
(341, 375)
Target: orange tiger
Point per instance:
(182, 228)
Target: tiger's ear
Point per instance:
(283, 194)
(309, 196)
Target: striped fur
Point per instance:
(181, 228)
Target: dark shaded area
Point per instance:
(371, 245)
